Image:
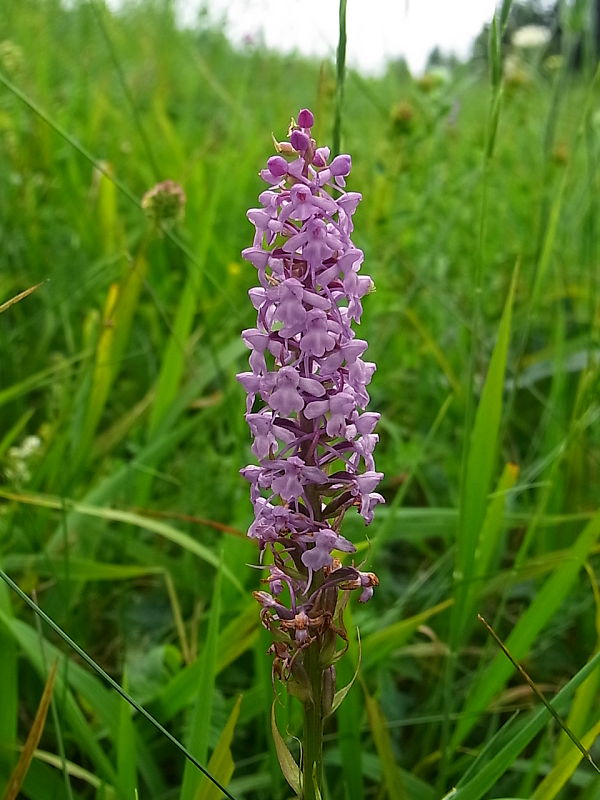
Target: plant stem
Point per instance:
(312, 764)
(341, 75)
(312, 767)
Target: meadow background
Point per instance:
(124, 517)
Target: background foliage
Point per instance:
(122, 511)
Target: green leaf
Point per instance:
(291, 770)
(221, 763)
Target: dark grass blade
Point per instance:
(112, 683)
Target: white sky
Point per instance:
(376, 28)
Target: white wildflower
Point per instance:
(531, 36)
(29, 446)
(16, 468)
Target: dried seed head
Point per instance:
(164, 203)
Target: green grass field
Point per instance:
(125, 517)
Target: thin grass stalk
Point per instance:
(340, 78)
(99, 14)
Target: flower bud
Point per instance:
(341, 165)
(305, 118)
(278, 166)
(300, 141)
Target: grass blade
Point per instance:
(10, 689)
(379, 729)
(126, 750)
(587, 694)
(480, 465)
(119, 309)
(221, 763)
(379, 645)
(202, 712)
(487, 544)
(538, 694)
(349, 716)
(33, 738)
(341, 76)
(29, 641)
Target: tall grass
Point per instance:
(128, 518)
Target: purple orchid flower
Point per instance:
(306, 393)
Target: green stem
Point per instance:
(341, 75)
(312, 752)
(312, 767)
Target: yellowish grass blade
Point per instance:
(21, 296)
(383, 744)
(221, 764)
(20, 771)
(561, 773)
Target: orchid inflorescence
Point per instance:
(306, 397)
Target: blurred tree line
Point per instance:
(574, 27)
